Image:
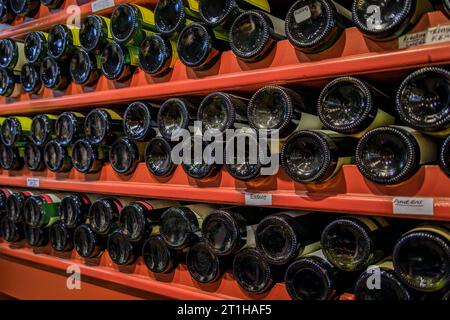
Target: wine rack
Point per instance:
(348, 192)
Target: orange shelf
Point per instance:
(348, 192)
(352, 54)
(46, 18)
(30, 274)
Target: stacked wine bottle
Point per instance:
(317, 256)
(352, 122)
(196, 33)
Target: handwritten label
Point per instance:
(101, 5)
(412, 39)
(413, 206)
(302, 14)
(258, 199)
(32, 182)
(438, 34)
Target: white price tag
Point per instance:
(98, 5)
(258, 199)
(302, 14)
(33, 182)
(413, 206)
(412, 40)
(438, 34)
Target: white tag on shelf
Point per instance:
(33, 182)
(413, 206)
(98, 5)
(258, 199)
(438, 34)
(302, 14)
(412, 39)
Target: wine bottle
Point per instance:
(229, 230)
(196, 166)
(25, 8)
(119, 62)
(221, 111)
(74, 209)
(41, 211)
(390, 155)
(61, 238)
(16, 130)
(57, 157)
(224, 12)
(140, 219)
(85, 68)
(95, 33)
(315, 156)
(174, 115)
(422, 257)
(104, 214)
(253, 273)
(69, 127)
(120, 249)
(130, 24)
(445, 156)
(34, 157)
(10, 85)
(312, 277)
(422, 101)
(103, 126)
(203, 265)
(157, 56)
(244, 154)
(54, 75)
(158, 257)
(351, 106)
(30, 80)
(36, 46)
(36, 237)
(254, 35)
(278, 108)
(158, 157)
(12, 55)
(52, 4)
(282, 237)
(313, 26)
(63, 41)
(200, 47)
(125, 155)
(11, 158)
(447, 6)
(171, 16)
(181, 226)
(42, 129)
(12, 232)
(140, 120)
(88, 244)
(381, 21)
(87, 158)
(7, 16)
(4, 195)
(446, 296)
(390, 287)
(15, 204)
(353, 243)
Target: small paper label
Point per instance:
(438, 34)
(302, 14)
(32, 182)
(258, 199)
(412, 40)
(413, 206)
(101, 5)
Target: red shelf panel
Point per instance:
(353, 54)
(24, 272)
(348, 192)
